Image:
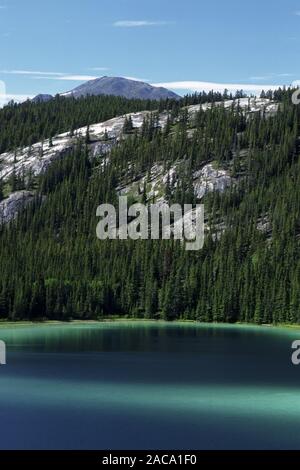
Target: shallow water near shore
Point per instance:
(147, 385)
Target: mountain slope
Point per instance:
(36, 158)
(29, 122)
(119, 86)
(42, 98)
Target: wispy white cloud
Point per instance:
(285, 75)
(41, 75)
(32, 72)
(5, 97)
(70, 78)
(38, 75)
(258, 78)
(18, 98)
(297, 13)
(271, 76)
(139, 23)
(198, 86)
(78, 78)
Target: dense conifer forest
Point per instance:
(53, 266)
(24, 124)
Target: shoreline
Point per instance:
(24, 323)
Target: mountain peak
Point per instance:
(120, 86)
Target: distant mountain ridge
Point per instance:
(116, 86)
(42, 98)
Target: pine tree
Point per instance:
(128, 125)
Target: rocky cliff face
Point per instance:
(10, 207)
(210, 178)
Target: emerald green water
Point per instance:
(131, 385)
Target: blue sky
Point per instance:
(52, 46)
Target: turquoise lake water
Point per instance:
(143, 385)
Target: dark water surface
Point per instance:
(131, 385)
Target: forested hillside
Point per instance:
(53, 266)
(30, 122)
